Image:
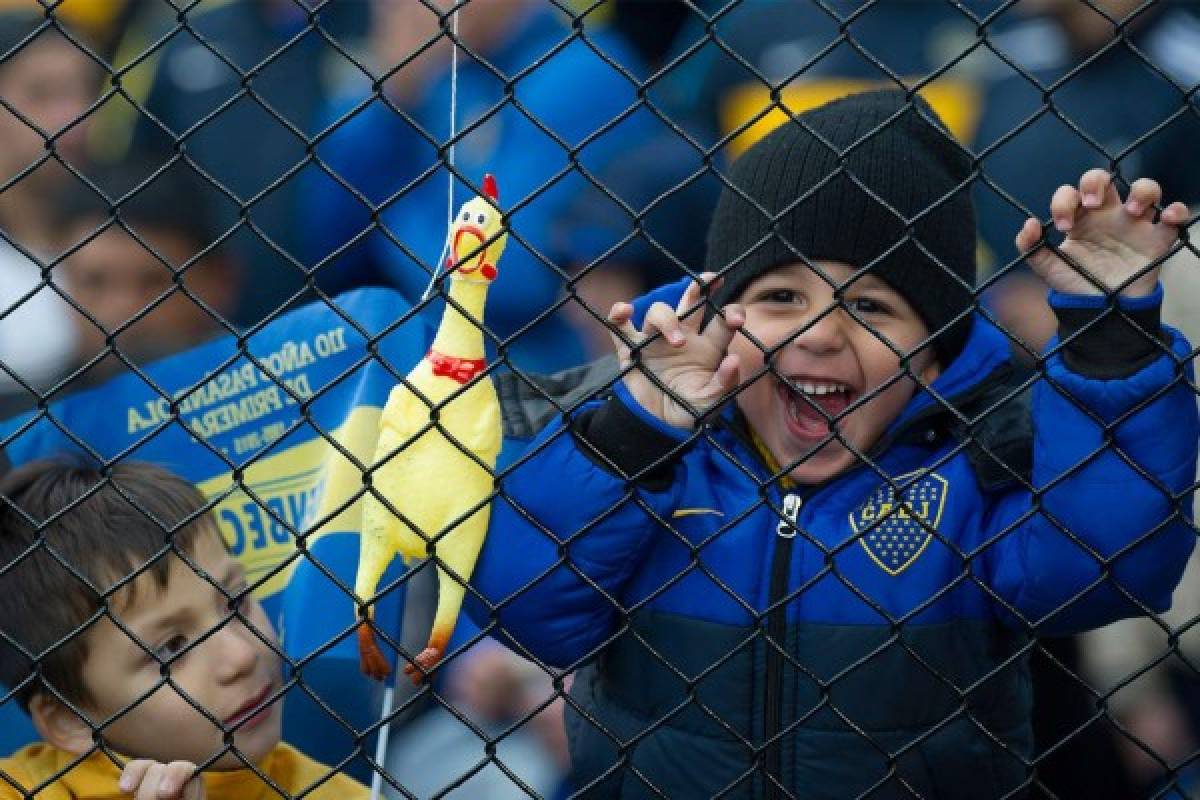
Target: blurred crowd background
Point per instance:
(171, 172)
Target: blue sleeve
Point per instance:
(1105, 533)
(565, 537)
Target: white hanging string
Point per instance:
(437, 267)
(389, 694)
(381, 745)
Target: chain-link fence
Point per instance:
(854, 512)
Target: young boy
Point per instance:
(829, 587)
(130, 636)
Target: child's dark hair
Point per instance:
(69, 540)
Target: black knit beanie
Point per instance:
(899, 150)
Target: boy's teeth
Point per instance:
(820, 388)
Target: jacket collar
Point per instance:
(985, 360)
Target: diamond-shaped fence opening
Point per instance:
(824, 448)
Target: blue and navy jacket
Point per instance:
(733, 636)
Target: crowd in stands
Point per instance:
(167, 178)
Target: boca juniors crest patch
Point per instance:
(895, 527)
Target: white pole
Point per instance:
(381, 744)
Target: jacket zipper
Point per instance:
(781, 563)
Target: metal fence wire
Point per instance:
(659, 611)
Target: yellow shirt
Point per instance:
(95, 778)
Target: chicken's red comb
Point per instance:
(489, 188)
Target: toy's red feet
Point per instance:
(422, 663)
(370, 657)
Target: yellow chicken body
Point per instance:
(439, 437)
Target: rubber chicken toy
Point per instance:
(439, 437)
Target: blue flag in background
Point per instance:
(295, 419)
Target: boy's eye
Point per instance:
(782, 296)
(171, 647)
(865, 305)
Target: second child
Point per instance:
(131, 638)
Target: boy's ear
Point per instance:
(58, 725)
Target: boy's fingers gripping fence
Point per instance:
(904, 625)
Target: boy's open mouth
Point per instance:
(811, 403)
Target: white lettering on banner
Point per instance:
(330, 343)
(221, 404)
(300, 388)
(231, 415)
(288, 358)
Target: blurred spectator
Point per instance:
(649, 232)
(812, 52)
(1115, 100)
(508, 700)
(99, 22)
(146, 274)
(248, 134)
(536, 105)
(46, 86)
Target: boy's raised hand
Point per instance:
(694, 366)
(1113, 241)
(145, 779)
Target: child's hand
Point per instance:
(695, 367)
(1111, 240)
(153, 780)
